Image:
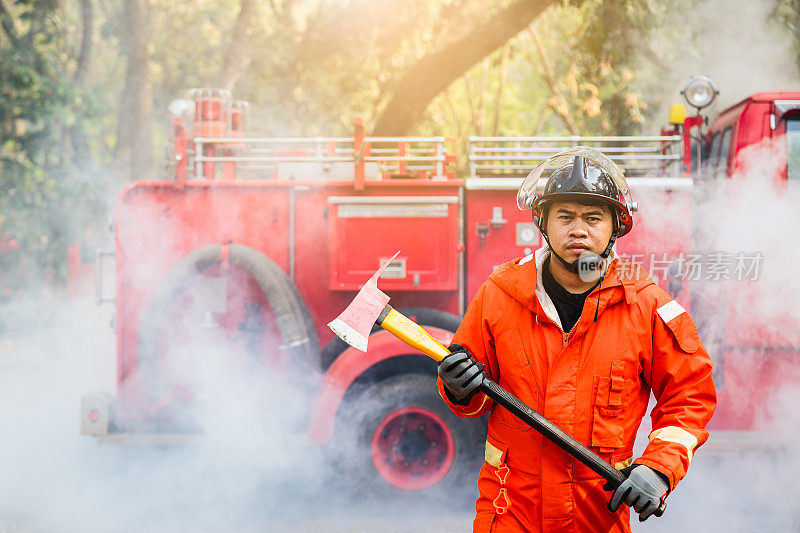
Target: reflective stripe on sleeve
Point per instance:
(476, 411)
(624, 464)
(676, 435)
(670, 310)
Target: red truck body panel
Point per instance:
(159, 223)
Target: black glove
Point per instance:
(642, 490)
(461, 374)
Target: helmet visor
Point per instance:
(533, 185)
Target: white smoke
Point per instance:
(234, 477)
(747, 480)
(737, 43)
(52, 353)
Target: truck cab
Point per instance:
(764, 123)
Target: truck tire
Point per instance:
(423, 316)
(293, 321)
(399, 439)
(432, 317)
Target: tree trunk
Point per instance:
(80, 145)
(237, 56)
(133, 157)
(87, 32)
(438, 69)
(8, 20)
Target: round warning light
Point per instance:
(94, 415)
(700, 91)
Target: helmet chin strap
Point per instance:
(603, 257)
(589, 264)
(574, 266)
(611, 242)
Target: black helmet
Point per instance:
(581, 174)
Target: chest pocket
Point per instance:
(608, 421)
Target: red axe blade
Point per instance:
(354, 325)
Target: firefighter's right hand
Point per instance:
(461, 374)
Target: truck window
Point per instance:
(793, 148)
(721, 168)
(710, 163)
(699, 150)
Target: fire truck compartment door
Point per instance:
(366, 230)
(335, 170)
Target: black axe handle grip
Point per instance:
(556, 435)
(415, 336)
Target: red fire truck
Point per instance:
(755, 354)
(252, 245)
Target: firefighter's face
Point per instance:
(575, 228)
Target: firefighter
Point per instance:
(582, 337)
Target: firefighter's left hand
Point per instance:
(643, 490)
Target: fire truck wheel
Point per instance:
(421, 315)
(401, 440)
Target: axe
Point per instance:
(371, 306)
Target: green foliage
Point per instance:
(333, 61)
(42, 187)
(584, 66)
(787, 12)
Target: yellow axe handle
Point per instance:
(411, 333)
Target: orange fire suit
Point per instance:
(594, 382)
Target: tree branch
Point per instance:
(632, 36)
(547, 74)
(498, 97)
(434, 72)
(237, 56)
(85, 53)
(8, 22)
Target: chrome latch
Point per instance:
(497, 220)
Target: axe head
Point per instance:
(354, 325)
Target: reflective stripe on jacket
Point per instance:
(594, 382)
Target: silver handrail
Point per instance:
(513, 157)
(394, 155)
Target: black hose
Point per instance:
(293, 320)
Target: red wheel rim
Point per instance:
(413, 448)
